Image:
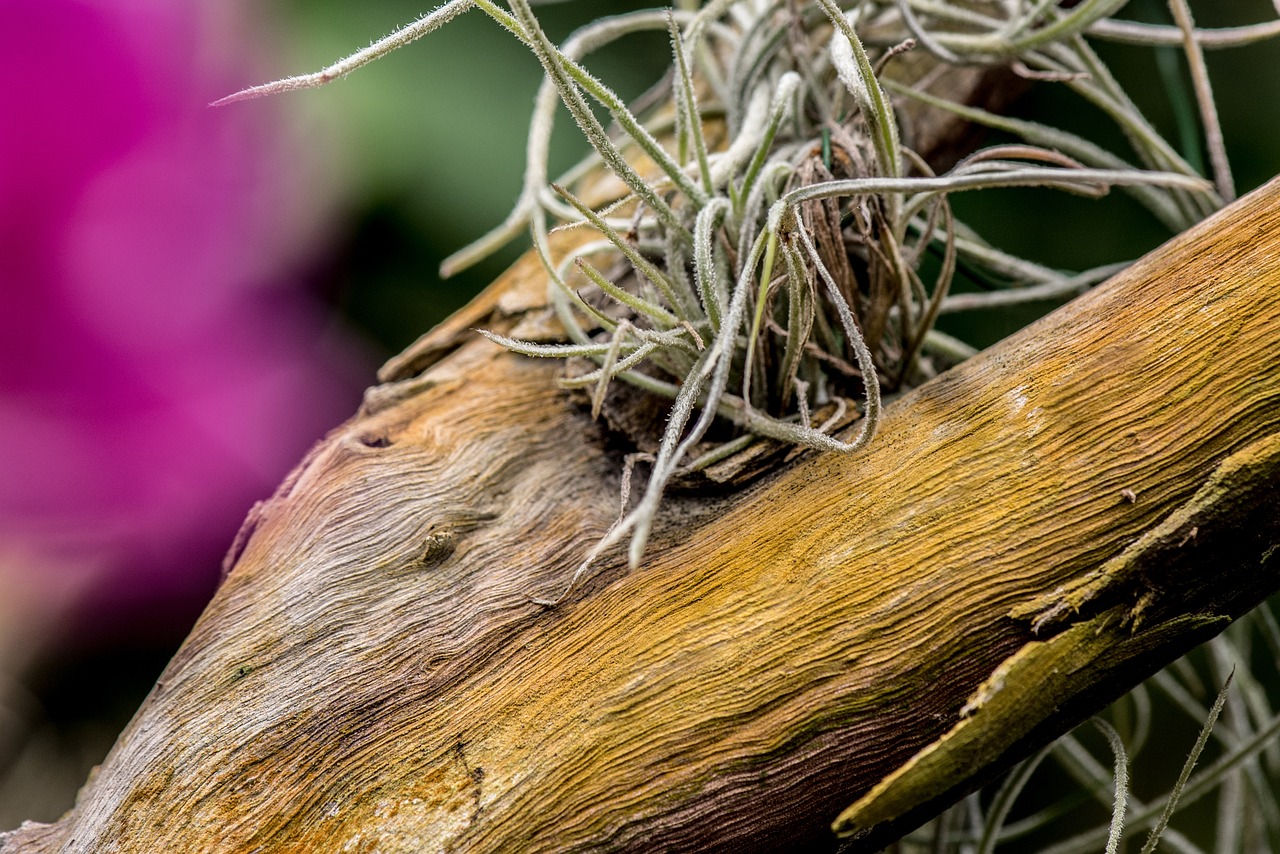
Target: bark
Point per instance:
(1028, 536)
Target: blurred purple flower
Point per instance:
(158, 370)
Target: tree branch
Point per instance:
(1028, 536)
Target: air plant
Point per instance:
(773, 281)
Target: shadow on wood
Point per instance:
(892, 626)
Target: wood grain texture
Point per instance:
(371, 676)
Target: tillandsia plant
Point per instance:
(778, 268)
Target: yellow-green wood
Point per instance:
(1030, 686)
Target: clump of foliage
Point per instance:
(774, 279)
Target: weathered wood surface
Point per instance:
(373, 677)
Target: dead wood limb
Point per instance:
(373, 677)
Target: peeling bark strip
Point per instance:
(1028, 536)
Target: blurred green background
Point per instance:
(423, 152)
